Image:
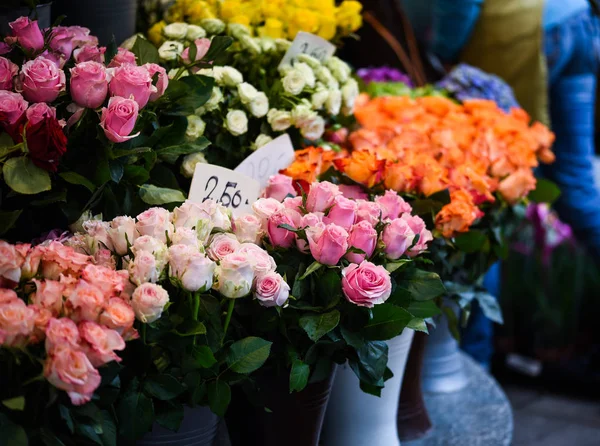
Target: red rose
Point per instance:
(46, 143)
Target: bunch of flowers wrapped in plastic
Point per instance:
(276, 19)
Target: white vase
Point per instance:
(355, 418)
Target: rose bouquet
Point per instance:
(83, 127)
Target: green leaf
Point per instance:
(203, 356)
(218, 44)
(119, 153)
(192, 51)
(442, 196)
(545, 192)
(5, 141)
(89, 431)
(418, 324)
(421, 285)
(11, 434)
(394, 266)
(191, 328)
(65, 414)
(299, 375)
(471, 241)
(372, 361)
(247, 355)
(172, 153)
(109, 429)
(22, 176)
(164, 387)
(154, 195)
(388, 322)
(49, 439)
(318, 325)
(219, 396)
(490, 307)
(8, 220)
(311, 269)
(75, 178)
(116, 171)
(135, 415)
(169, 415)
(452, 322)
(145, 52)
(17, 403)
(423, 309)
(369, 388)
(136, 174)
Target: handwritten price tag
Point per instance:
(268, 160)
(233, 190)
(307, 43)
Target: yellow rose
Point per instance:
(272, 28)
(348, 15)
(303, 20)
(155, 32)
(229, 9)
(328, 28)
(240, 19)
(200, 10)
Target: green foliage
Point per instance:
(24, 177)
(247, 355)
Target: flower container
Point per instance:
(293, 419)
(356, 418)
(198, 428)
(7, 15)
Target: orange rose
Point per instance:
(458, 216)
(517, 185)
(362, 166)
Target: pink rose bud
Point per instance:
(265, 207)
(5, 48)
(85, 302)
(120, 232)
(328, 244)
(311, 219)
(41, 80)
(155, 222)
(202, 47)
(31, 265)
(161, 83)
(123, 57)
(368, 211)
(191, 267)
(8, 71)
(40, 111)
(342, 213)
(259, 259)
(321, 196)
(392, 205)
(148, 302)
(247, 228)
(279, 187)
(89, 84)
(16, 323)
(221, 245)
(61, 41)
(185, 236)
(353, 192)
(48, 294)
(57, 58)
(89, 53)
(10, 262)
(271, 290)
(417, 225)
(61, 332)
(28, 33)
(363, 236)
(366, 284)
(144, 268)
(130, 80)
(100, 343)
(81, 36)
(118, 119)
(234, 276)
(293, 203)
(281, 237)
(12, 107)
(119, 316)
(70, 370)
(397, 237)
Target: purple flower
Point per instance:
(549, 232)
(383, 74)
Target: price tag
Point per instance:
(233, 190)
(268, 160)
(307, 43)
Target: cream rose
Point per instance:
(236, 122)
(148, 302)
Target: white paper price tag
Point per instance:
(307, 43)
(268, 160)
(233, 190)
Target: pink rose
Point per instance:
(89, 53)
(81, 36)
(327, 244)
(107, 280)
(28, 33)
(342, 213)
(281, 237)
(234, 276)
(41, 80)
(12, 107)
(247, 228)
(191, 215)
(48, 294)
(152, 245)
(144, 268)
(321, 196)
(417, 225)
(54, 57)
(366, 284)
(368, 211)
(294, 203)
(5, 48)
(10, 262)
(353, 192)
(41, 319)
(118, 119)
(392, 205)
(155, 222)
(16, 323)
(221, 245)
(363, 236)
(265, 207)
(123, 57)
(130, 80)
(311, 219)
(397, 237)
(119, 316)
(191, 267)
(101, 343)
(104, 257)
(98, 231)
(148, 302)
(7, 295)
(121, 232)
(220, 217)
(185, 236)
(40, 111)
(271, 290)
(70, 370)
(202, 46)
(61, 332)
(31, 265)
(8, 71)
(59, 259)
(89, 84)
(279, 187)
(61, 41)
(86, 302)
(259, 259)
(161, 83)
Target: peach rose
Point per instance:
(59, 259)
(49, 295)
(105, 279)
(119, 316)
(16, 323)
(86, 302)
(100, 343)
(517, 185)
(10, 262)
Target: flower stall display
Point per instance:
(88, 127)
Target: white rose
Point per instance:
(231, 76)
(148, 302)
(121, 232)
(144, 268)
(158, 249)
(283, 45)
(128, 43)
(194, 32)
(319, 97)
(155, 222)
(213, 26)
(307, 72)
(271, 290)
(220, 216)
(260, 259)
(309, 60)
(302, 114)
(247, 92)
(170, 50)
(194, 216)
(334, 102)
(191, 267)
(267, 44)
(214, 72)
(280, 120)
(259, 105)
(188, 165)
(350, 93)
(340, 69)
(185, 236)
(176, 31)
(284, 69)
(234, 276)
(314, 129)
(324, 75)
(261, 140)
(222, 244)
(247, 228)
(265, 207)
(238, 30)
(195, 127)
(236, 122)
(294, 82)
(216, 97)
(250, 44)
(98, 231)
